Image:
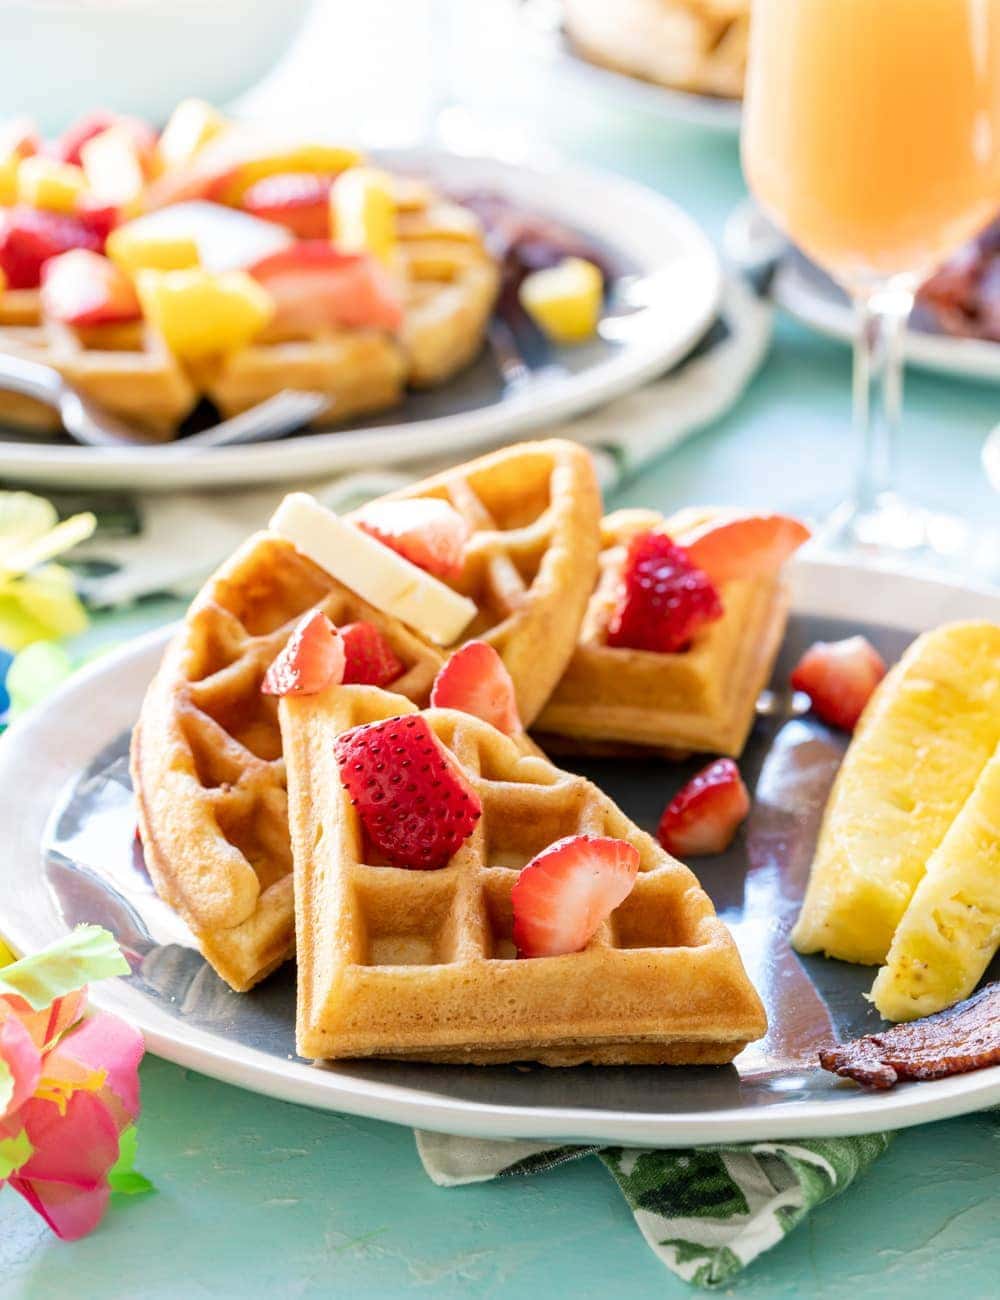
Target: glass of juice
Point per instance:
(871, 136)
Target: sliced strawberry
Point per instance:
(475, 680)
(839, 677)
(664, 598)
(428, 532)
(567, 891)
(312, 660)
(704, 816)
(84, 288)
(315, 287)
(67, 148)
(415, 804)
(28, 238)
(370, 659)
(744, 546)
(99, 218)
(298, 200)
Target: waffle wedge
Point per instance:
(206, 754)
(421, 964)
(613, 700)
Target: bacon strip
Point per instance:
(962, 1038)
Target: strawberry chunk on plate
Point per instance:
(664, 598)
(312, 660)
(566, 892)
(83, 288)
(28, 238)
(427, 531)
(315, 287)
(415, 805)
(840, 678)
(299, 201)
(744, 546)
(369, 658)
(704, 816)
(475, 680)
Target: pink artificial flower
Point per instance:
(69, 1086)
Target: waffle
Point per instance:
(206, 753)
(612, 700)
(421, 964)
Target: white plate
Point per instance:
(63, 782)
(644, 232)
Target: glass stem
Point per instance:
(878, 386)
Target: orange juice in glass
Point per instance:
(871, 136)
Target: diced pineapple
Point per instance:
(951, 928)
(113, 166)
(192, 124)
(924, 740)
(45, 183)
(363, 213)
(200, 314)
(564, 301)
(8, 179)
(135, 248)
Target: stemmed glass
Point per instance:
(871, 137)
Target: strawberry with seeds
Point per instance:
(370, 659)
(744, 546)
(415, 804)
(312, 660)
(703, 817)
(664, 598)
(475, 680)
(427, 531)
(566, 892)
(840, 678)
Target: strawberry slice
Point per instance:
(370, 659)
(312, 660)
(415, 804)
(475, 680)
(567, 891)
(67, 148)
(839, 677)
(704, 816)
(299, 201)
(83, 288)
(744, 546)
(28, 238)
(315, 287)
(427, 531)
(664, 598)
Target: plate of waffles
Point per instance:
(500, 931)
(437, 301)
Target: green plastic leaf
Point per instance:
(37, 550)
(124, 1178)
(6, 1088)
(39, 607)
(14, 1152)
(35, 673)
(24, 517)
(6, 956)
(86, 954)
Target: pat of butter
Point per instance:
(376, 573)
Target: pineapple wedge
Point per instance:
(923, 742)
(951, 929)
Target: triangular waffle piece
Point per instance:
(206, 754)
(612, 700)
(421, 964)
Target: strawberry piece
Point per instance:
(664, 598)
(744, 546)
(316, 287)
(370, 659)
(299, 201)
(427, 531)
(705, 815)
(312, 660)
(83, 288)
(28, 238)
(416, 806)
(567, 891)
(69, 145)
(839, 677)
(99, 218)
(475, 680)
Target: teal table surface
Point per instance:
(257, 1197)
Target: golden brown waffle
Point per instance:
(22, 335)
(612, 700)
(206, 754)
(421, 964)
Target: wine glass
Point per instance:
(871, 137)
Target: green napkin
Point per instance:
(707, 1212)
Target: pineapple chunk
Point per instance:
(8, 179)
(136, 249)
(951, 929)
(200, 314)
(363, 213)
(55, 186)
(192, 124)
(925, 738)
(565, 300)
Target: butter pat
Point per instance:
(376, 573)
